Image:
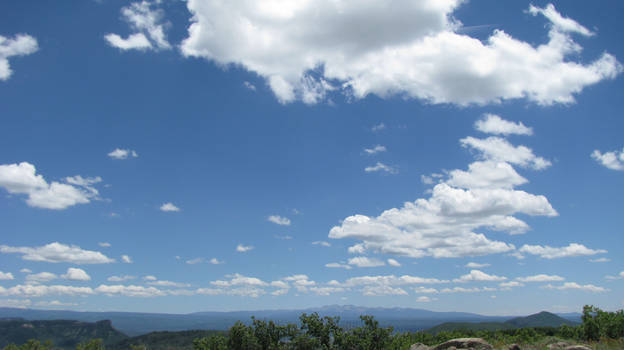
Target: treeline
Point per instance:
(315, 332)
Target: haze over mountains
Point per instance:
(133, 323)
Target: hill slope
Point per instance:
(63, 334)
(542, 319)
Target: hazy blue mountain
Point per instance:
(133, 323)
(541, 319)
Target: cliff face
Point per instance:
(63, 333)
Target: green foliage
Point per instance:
(214, 342)
(93, 344)
(598, 324)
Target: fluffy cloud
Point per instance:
(362, 261)
(547, 252)
(243, 248)
(559, 22)
(444, 225)
(488, 174)
(576, 286)
(22, 179)
(169, 207)
(541, 278)
(500, 150)
(126, 259)
(21, 45)
(612, 160)
(129, 291)
(216, 261)
(375, 150)
(510, 284)
(194, 261)
(37, 290)
(493, 124)
(40, 277)
(480, 276)
(394, 263)
(147, 23)
(467, 290)
(120, 278)
(75, 274)
(381, 167)
(6, 276)
(474, 265)
(237, 285)
(57, 252)
(305, 49)
(279, 220)
(619, 276)
(425, 299)
(338, 266)
(119, 153)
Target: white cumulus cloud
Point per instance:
(611, 160)
(306, 49)
(58, 252)
(4, 276)
(479, 276)
(147, 22)
(494, 124)
(547, 252)
(279, 220)
(126, 259)
(120, 153)
(22, 179)
(20, 45)
(500, 150)
(243, 248)
(381, 167)
(575, 286)
(474, 265)
(363, 261)
(541, 278)
(169, 207)
(376, 149)
(75, 274)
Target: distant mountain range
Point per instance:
(133, 323)
(542, 319)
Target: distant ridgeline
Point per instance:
(62, 333)
(313, 332)
(135, 323)
(542, 319)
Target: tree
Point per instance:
(93, 344)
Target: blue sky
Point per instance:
(180, 156)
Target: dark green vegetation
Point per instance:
(182, 340)
(602, 330)
(64, 334)
(542, 319)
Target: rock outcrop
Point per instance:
(419, 346)
(464, 344)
